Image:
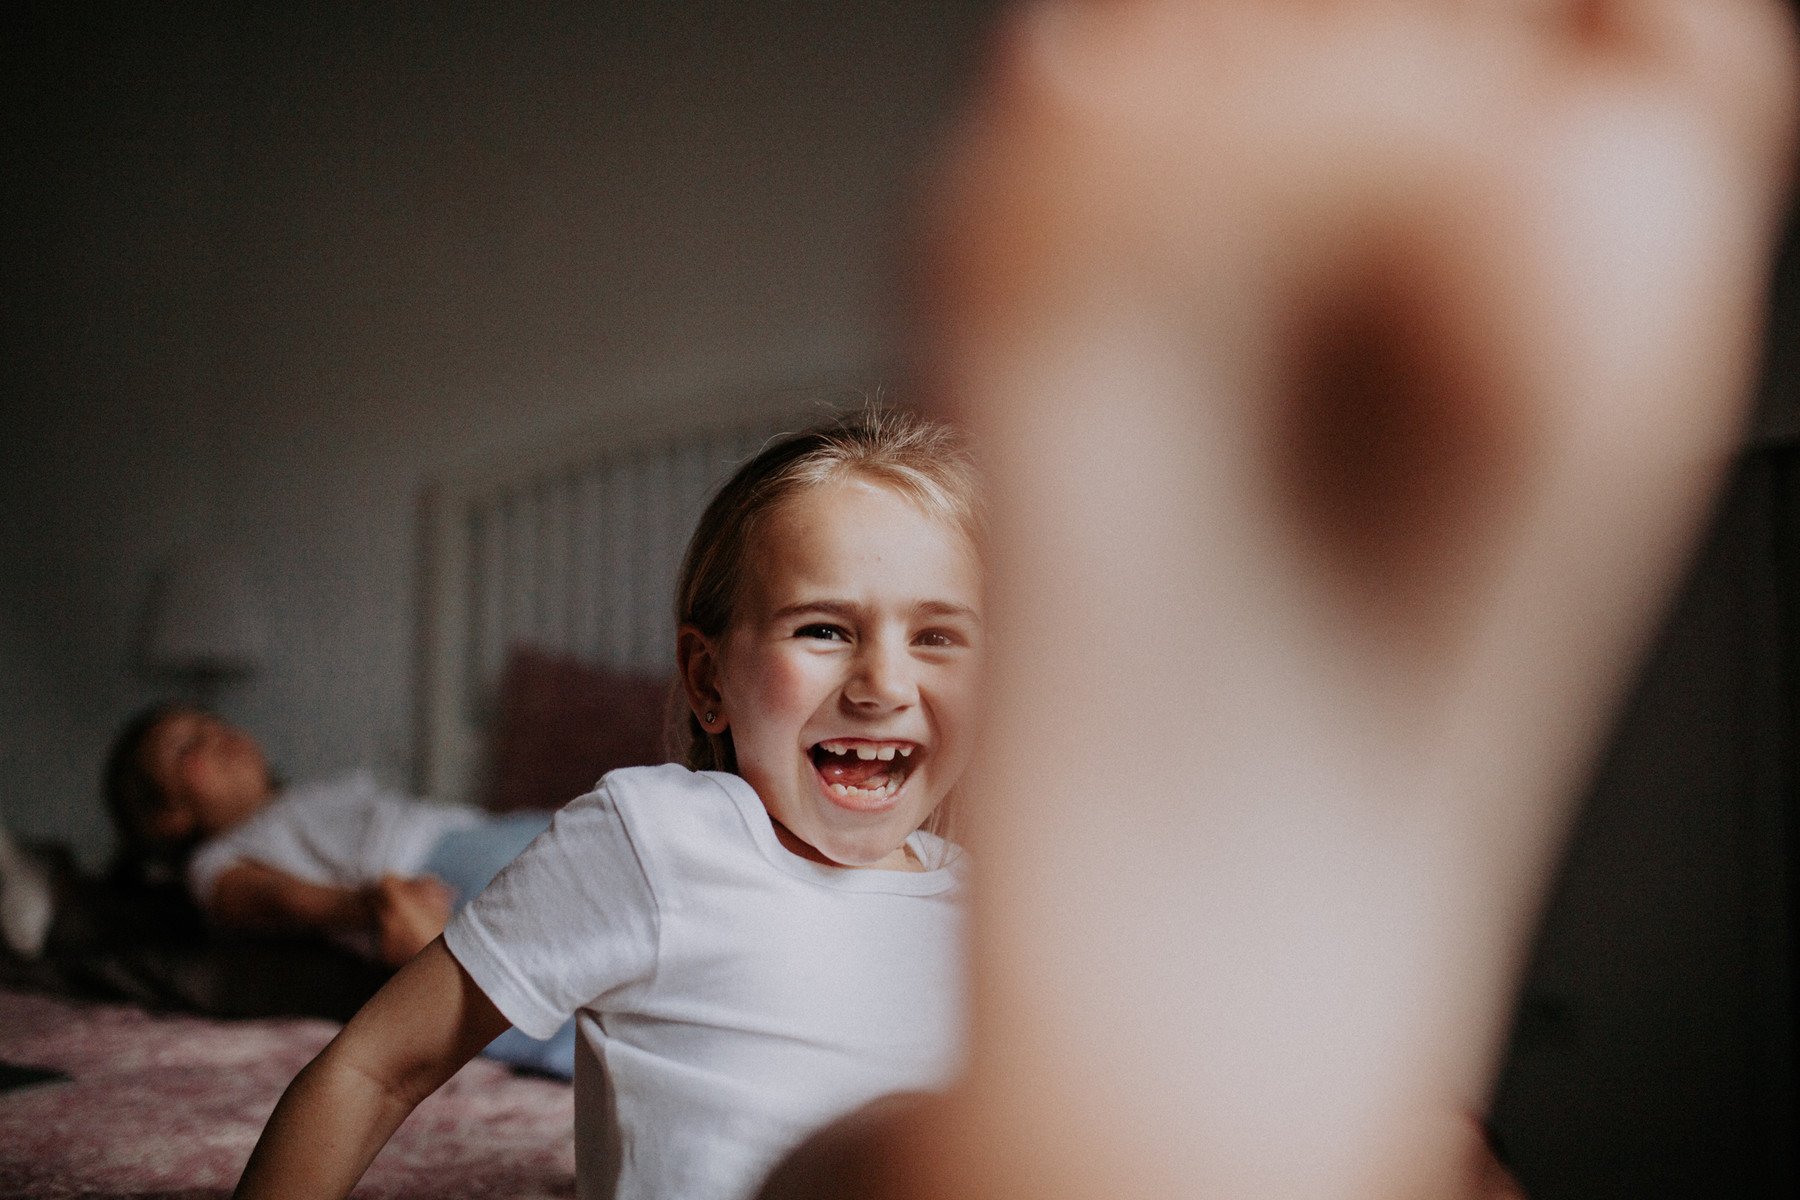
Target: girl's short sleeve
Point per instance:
(568, 921)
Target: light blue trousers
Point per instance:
(466, 860)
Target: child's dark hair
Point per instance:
(134, 798)
(922, 459)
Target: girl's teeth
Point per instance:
(885, 790)
(866, 752)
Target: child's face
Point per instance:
(211, 775)
(849, 677)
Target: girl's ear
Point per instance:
(698, 657)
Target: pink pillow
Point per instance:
(564, 723)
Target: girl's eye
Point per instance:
(825, 633)
(934, 638)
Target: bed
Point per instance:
(169, 1105)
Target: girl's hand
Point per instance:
(408, 914)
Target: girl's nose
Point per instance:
(882, 679)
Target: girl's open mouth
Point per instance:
(861, 773)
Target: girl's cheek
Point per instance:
(779, 683)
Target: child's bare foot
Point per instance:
(1351, 376)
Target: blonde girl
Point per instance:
(762, 939)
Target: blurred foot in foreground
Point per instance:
(1352, 377)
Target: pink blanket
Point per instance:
(170, 1106)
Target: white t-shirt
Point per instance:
(730, 996)
(345, 832)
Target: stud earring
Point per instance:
(708, 718)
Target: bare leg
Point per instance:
(1352, 376)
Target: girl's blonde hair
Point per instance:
(922, 459)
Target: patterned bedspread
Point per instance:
(170, 1106)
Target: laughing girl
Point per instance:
(758, 941)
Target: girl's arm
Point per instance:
(404, 914)
(341, 1109)
(252, 895)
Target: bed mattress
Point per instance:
(170, 1105)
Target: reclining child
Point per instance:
(192, 797)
